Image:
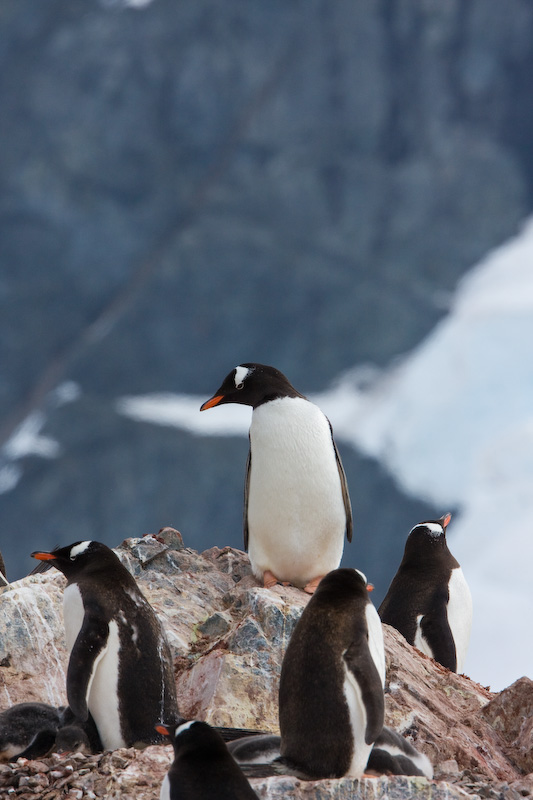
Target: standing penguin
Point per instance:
(296, 503)
(120, 668)
(202, 767)
(429, 601)
(331, 699)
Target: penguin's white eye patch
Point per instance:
(184, 727)
(434, 529)
(362, 574)
(241, 373)
(78, 550)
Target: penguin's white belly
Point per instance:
(165, 789)
(420, 641)
(102, 692)
(459, 614)
(375, 640)
(296, 515)
(356, 708)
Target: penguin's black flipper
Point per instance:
(436, 631)
(91, 641)
(344, 489)
(41, 744)
(361, 664)
(246, 491)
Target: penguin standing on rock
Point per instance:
(429, 601)
(203, 767)
(331, 699)
(120, 668)
(296, 504)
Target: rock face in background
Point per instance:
(189, 186)
(228, 637)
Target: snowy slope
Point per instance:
(453, 422)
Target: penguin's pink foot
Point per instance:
(269, 579)
(311, 586)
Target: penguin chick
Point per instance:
(331, 699)
(120, 668)
(393, 754)
(202, 767)
(260, 749)
(22, 723)
(429, 601)
(296, 502)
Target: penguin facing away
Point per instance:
(202, 767)
(331, 698)
(429, 601)
(120, 668)
(296, 502)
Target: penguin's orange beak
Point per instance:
(445, 520)
(162, 729)
(43, 556)
(370, 587)
(214, 401)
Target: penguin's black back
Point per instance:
(314, 718)
(203, 768)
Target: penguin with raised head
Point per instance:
(393, 754)
(296, 503)
(331, 698)
(429, 601)
(120, 667)
(202, 767)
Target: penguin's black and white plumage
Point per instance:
(202, 767)
(3, 580)
(120, 668)
(331, 698)
(23, 723)
(296, 504)
(429, 601)
(393, 754)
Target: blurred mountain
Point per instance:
(187, 186)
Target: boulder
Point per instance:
(228, 636)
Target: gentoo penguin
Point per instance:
(120, 668)
(202, 766)
(331, 699)
(429, 601)
(22, 723)
(392, 754)
(296, 503)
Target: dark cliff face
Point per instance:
(190, 186)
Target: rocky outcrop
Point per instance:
(228, 636)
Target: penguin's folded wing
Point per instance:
(246, 491)
(344, 488)
(435, 629)
(361, 664)
(89, 648)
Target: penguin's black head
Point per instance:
(430, 535)
(343, 583)
(87, 556)
(252, 385)
(193, 735)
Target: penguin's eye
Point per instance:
(240, 385)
